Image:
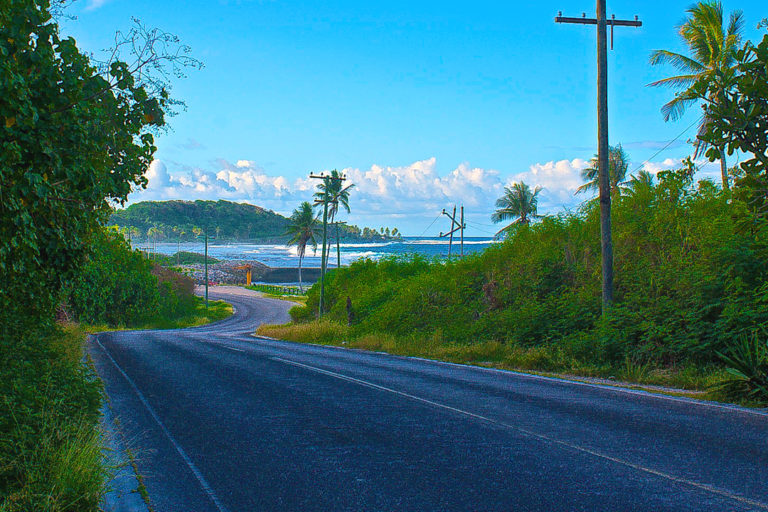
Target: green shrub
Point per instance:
(747, 367)
(119, 287)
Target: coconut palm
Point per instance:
(303, 229)
(331, 189)
(640, 183)
(712, 49)
(519, 202)
(618, 163)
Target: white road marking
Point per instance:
(533, 376)
(530, 433)
(198, 475)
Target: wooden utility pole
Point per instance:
(606, 244)
(455, 226)
(327, 178)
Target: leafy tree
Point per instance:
(712, 50)
(75, 138)
(331, 189)
(737, 102)
(641, 183)
(303, 230)
(618, 164)
(519, 202)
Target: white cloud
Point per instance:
(95, 4)
(405, 195)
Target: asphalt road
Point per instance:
(223, 421)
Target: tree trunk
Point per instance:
(723, 169)
(338, 247)
(301, 289)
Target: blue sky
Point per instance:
(424, 104)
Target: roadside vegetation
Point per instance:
(76, 136)
(690, 285)
(691, 260)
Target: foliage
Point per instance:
(50, 453)
(303, 229)
(689, 284)
(182, 258)
(618, 164)
(331, 191)
(181, 220)
(747, 363)
(738, 106)
(519, 202)
(276, 290)
(119, 287)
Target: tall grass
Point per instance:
(50, 442)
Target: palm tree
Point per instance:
(303, 230)
(712, 51)
(519, 202)
(639, 183)
(618, 163)
(331, 189)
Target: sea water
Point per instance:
(276, 255)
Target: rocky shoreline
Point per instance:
(226, 272)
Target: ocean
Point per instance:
(275, 255)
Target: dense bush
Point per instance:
(118, 286)
(689, 283)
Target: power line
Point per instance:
(480, 229)
(431, 224)
(668, 144)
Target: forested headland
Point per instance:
(176, 220)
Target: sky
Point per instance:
(423, 105)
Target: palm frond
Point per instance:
(677, 60)
(678, 82)
(676, 108)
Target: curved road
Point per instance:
(223, 421)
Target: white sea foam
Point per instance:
(445, 241)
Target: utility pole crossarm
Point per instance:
(593, 21)
(612, 22)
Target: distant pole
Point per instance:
(206, 269)
(323, 262)
(462, 231)
(450, 240)
(606, 242)
(455, 226)
(205, 262)
(323, 258)
(604, 178)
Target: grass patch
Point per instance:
(193, 317)
(548, 359)
(50, 439)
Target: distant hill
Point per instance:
(174, 220)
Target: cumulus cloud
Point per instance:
(415, 193)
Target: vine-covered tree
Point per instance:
(75, 139)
